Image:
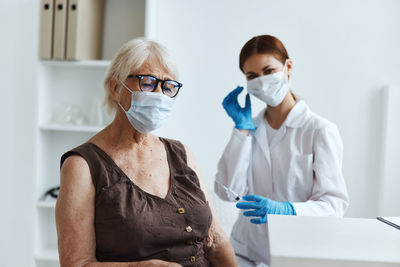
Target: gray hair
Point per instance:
(129, 59)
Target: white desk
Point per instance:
(328, 241)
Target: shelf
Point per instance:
(76, 83)
(46, 204)
(77, 63)
(49, 254)
(71, 128)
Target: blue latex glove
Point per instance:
(261, 206)
(241, 116)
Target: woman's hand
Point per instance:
(241, 116)
(261, 206)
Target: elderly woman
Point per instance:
(127, 197)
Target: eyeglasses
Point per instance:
(149, 83)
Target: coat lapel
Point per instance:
(260, 136)
(296, 118)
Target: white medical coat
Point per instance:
(302, 165)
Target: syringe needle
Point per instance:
(227, 189)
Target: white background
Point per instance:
(344, 53)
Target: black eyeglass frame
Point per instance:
(140, 77)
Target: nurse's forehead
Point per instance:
(260, 61)
(257, 62)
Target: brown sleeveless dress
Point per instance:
(132, 225)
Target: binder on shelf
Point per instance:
(85, 29)
(60, 29)
(46, 29)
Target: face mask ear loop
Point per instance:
(287, 71)
(284, 65)
(126, 87)
(122, 107)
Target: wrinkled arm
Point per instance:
(217, 247)
(75, 214)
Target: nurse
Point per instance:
(287, 160)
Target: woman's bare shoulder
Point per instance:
(74, 163)
(75, 174)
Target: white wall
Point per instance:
(18, 53)
(344, 52)
(390, 183)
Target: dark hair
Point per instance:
(263, 44)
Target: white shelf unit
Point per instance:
(65, 83)
(70, 128)
(46, 204)
(78, 63)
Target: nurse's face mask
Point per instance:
(271, 88)
(149, 110)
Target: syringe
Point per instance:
(227, 189)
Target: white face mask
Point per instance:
(148, 110)
(271, 88)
